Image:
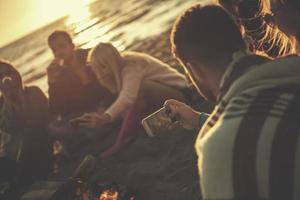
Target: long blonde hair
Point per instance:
(274, 35)
(266, 38)
(105, 54)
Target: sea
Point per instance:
(122, 22)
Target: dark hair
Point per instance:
(60, 33)
(207, 34)
(4, 63)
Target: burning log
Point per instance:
(75, 189)
(113, 192)
(109, 195)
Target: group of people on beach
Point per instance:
(241, 56)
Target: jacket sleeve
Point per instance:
(132, 78)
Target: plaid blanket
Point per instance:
(249, 148)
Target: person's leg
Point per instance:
(152, 95)
(129, 129)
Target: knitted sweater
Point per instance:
(138, 69)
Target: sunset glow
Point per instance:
(23, 17)
(79, 12)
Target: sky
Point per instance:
(20, 17)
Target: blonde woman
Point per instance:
(142, 84)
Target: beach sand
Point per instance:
(160, 168)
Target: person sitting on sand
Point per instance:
(73, 88)
(25, 147)
(141, 82)
(249, 14)
(248, 147)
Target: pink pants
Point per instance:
(151, 97)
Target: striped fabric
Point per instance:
(249, 148)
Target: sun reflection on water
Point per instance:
(90, 34)
(88, 30)
(80, 12)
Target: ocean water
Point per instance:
(122, 22)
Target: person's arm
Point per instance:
(132, 78)
(56, 99)
(202, 119)
(188, 117)
(131, 82)
(56, 89)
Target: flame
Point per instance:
(109, 195)
(57, 148)
(57, 152)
